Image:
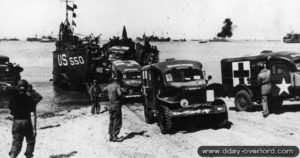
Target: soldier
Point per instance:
(115, 109)
(264, 80)
(95, 92)
(23, 109)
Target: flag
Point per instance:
(73, 23)
(74, 15)
(74, 6)
(69, 8)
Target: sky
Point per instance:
(190, 19)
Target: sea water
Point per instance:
(36, 59)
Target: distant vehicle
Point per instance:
(291, 38)
(129, 73)
(239, 76)
(176, 89)
(118, 53)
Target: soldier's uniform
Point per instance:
(115, 110)
(95, 92)
(22, 105)
(264, 80)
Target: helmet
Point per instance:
(22, 85)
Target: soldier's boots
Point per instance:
(110, 138)
(115, 138)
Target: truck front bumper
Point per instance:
(198, 111)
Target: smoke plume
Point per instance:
(226, 29)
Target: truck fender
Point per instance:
(243, 87)
(219, 89)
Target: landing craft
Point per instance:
(239, 76)
(79, 61)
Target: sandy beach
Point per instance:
(77, 133)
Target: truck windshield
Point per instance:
(132, 75)
(183, 75)
(116, 55)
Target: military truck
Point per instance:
(129, 74)
(177, 89)
(239, 77)
(9, 73)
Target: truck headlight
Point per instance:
(184, 103)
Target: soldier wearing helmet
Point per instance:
(115, 109)
(22, 105)
(95, 97)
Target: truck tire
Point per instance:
(242, 100)
(149, 116)
(164, 119)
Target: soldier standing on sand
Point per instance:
(95, 92)
(115, 109)
(264, 80)
(23, 108)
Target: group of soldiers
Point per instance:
(23, 100)
(115, 106)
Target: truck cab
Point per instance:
(129, 74)
(239, 76)
(176, 89)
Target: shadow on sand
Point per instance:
(191, 126)
(133, 134)
(283, 109)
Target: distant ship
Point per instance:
(33, 39)
(47, 39)
(154, 38)
(9, 39)
(203, 41)
(291, 38)
(179, 40)
(218, 40)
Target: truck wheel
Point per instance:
(242, 100)
(149, 116)
(164, 119)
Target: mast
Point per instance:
(67, 10)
